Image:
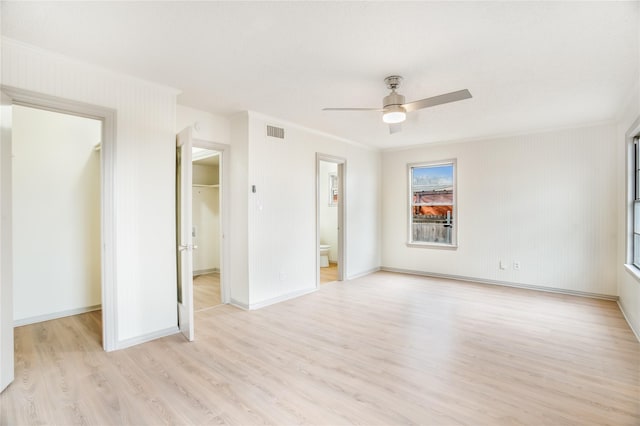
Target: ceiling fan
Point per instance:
(394, 109)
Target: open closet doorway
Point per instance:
(56, 216)
(206, 228)
(330, 218)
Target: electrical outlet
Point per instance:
(516, 265)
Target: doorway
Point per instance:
(201, 176)
(206, 228)
(330, 202)
(56, 169)
(11, 97)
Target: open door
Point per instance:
(6, 276)
(184, 237)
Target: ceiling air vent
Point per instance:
(275, 132)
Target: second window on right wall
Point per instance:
(432, 209)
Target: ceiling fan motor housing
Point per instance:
(393, 98)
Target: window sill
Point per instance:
(435, 246)
(635, 272)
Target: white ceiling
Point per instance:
(530, 65)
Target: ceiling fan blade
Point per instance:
(395, 128)
(351, 109)
(437, 100)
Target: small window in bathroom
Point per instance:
(333, 189)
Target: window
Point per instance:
(432, 208)
(636, 203)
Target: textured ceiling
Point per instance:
(530, 65)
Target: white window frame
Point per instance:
(454, 227)
(633, 195)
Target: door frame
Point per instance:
(342, 213)
(184, 238)
(109, 300)
(223, 174)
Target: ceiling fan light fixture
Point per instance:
(394, 114)
(395, 109)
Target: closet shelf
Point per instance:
(205, 186)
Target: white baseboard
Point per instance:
(624, 314)
(362, 274)
(282, 298)
(503, 283)
(55, 315)
(205, 271)
(237, 304)
(122, 344)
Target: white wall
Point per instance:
(238, 220)
(209, 127)
(328, 214)
(204, 175)
(546, 200)
(281, 214)
(145, 178)
(56, 213)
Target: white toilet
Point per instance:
(324, 255)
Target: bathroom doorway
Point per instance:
(206, 228)
(330, 218)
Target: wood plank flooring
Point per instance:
(329, 274)
(206, 291)
(385, 349)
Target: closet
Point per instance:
(206, 228)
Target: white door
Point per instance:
(184, 237)
(6, 278)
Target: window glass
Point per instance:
(635, 246)
(432, 211)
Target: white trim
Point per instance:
(205, 271)
(126, 343)
(503, 283)
(282, 298)
(273, 121)
(624, 314)
(433, 245)
(363, 274)
(629, 136)
(10, 42)
(108, 196)
(7, 370)
(499, 136)
(633, 271)
(238, 304)
(55, 315)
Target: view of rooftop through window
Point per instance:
(432, 203)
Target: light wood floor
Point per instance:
(206, 291)
(385, 349)
(329, 274)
